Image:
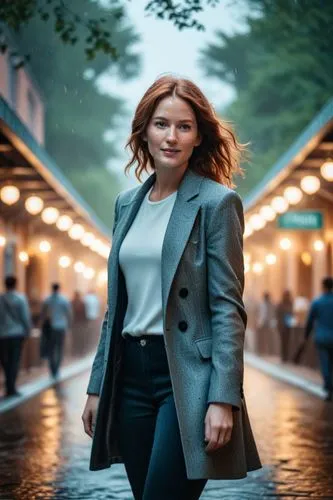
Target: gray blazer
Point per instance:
(203, 328)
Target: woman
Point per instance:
(168, 374)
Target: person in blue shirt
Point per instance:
(320, 319)
(57, 310)
(15, 326)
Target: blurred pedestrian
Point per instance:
(79, 325)
(167, 378)
(93, 311)
(284, 314)
(15, 325)
(266, 324)
(57, 312)
(320, 319)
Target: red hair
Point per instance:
(217, 157)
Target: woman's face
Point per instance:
(172, 133)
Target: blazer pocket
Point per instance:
(204, 347)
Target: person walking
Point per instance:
(165, 395)
(320, 319)
(15, 326)
(284, 315)
(266, 325)
(57, 310)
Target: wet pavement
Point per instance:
(44, 453)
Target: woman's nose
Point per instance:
(171, 134)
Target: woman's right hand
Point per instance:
(89, 414)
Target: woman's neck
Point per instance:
(167, 182)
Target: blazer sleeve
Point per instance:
(97, 371)
(225, 289)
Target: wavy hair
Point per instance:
(219, 154)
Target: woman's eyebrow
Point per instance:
(166, 119)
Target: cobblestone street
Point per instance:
(44, 453)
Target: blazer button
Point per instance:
(183, 293)
(182, 325)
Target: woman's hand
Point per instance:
(218, 425)
(89, 414)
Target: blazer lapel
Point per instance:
(178, 230)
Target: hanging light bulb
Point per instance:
(270, 259)
(310, 184)
(76, 231)
(2, 241)
(267, 212)
(293, 195)
(306, 258)
(87, 239)
(257, 222)
(326, 170)
(24, 257)
(64, 261)
(44, 246)
(79, 267)
(50, 215)
(257, 268)
(34, 205)
(64, 223)
(318, 245)
(285, 244)
(89, 273)
(279, 204)
(9, 195)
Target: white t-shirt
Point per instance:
(140, 260)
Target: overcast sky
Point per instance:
(165, 49)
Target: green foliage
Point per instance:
(77, 115)
(282, 71)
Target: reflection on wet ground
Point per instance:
(44, 453)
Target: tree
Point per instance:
(77, 115)
(68, 21)
(282, 71)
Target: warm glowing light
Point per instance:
(270, 259)
(257, 268)
(257, 222)
(96, 245)
(246, 267)
(306, 258)
(2, 241)
(64, 223)
(326, 170)
(247, 257)
(34, 205)
(102, 277)
(44, 246)
(248, 230)
(89, 273)
(310, 184)
(279, 204)
(318, 245)
(64, 261)
(267, 212)
(87, 239)
(293, 195)
(79, 267)
(24, 257)
(76, 231)
(9, 195)
(50, 215)
(285, 244)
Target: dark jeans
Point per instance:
(55, 350)
(10, 355)
(149, 432)
(326, 366)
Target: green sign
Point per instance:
(307, 220)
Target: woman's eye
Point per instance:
(160, 124)
(185, 126)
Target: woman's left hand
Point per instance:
(218, 425)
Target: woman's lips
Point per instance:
(170, 152)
